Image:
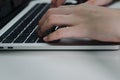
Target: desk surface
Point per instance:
(60, 65)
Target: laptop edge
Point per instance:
(47, 46)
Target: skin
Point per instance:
(82, 21)
(56, 3)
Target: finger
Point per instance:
(41, 22)
(68, 32)
(54, 11)
(53, 3)
(60, 2)
(68, 6)
(56, 3)
(40, 33)
(58, 20)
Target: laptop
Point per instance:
(19, 21)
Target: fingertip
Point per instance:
(50, 37)
(46, 39)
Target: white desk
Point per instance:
(60, 65)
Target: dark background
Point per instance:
(8, 8)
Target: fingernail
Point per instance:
(45, 38)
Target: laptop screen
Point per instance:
(9, 9)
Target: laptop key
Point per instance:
(6, 41)
(21, 38)
(12, 36)
(40, 40)
(1, 39)
(32, 39)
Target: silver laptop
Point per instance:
(18, 24)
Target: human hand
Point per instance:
(56, 3)
(82, 21)
(99, 2)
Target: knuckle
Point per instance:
(50, 17)
(51, 20)
(50, 11)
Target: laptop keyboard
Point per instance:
(25, 28)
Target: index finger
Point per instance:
(54, 11)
